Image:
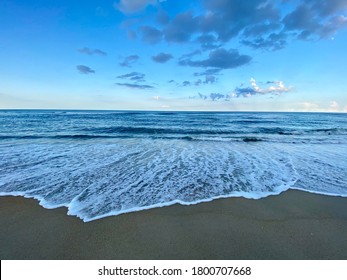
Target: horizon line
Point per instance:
(159, 110)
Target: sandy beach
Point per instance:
(293, 225)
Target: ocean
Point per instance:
(103, 163)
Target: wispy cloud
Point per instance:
(212, 96)
(133, 6)
(272, 42)
(84, 69)
(133, 76)
(129, 60)
(162, 57)
(162, 17)
(190, 54)
(208, 41)
(332, 106)
(138, 86)
(151, 34)
(198, 82)
(309, 106)
(134, 79)
(210, 79)
(132, 35)
(213, 71)
(89, 51)
(219, 58)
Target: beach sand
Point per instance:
(292, 225)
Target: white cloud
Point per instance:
(276, 87)
(309, 106)
(334, 106)
(254, 85)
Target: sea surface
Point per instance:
(103, 163)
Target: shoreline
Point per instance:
(292, 225)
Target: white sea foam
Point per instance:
(99, 180)
(103, 177)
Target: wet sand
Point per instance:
(293, 225)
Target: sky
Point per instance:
(213, 55)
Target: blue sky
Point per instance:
(262, 55)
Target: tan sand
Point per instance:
(293, 225)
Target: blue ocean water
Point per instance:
(102, 163)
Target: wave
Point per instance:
(100, 180)
(251, 139)
(125, 177)
(75, 136)
(221, 130)
(173, 137)
(159, 130)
